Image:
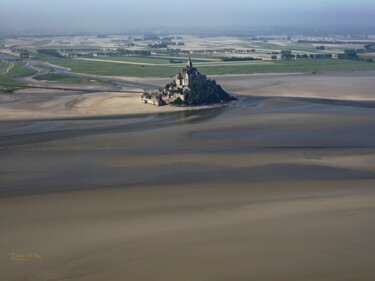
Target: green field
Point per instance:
(304, 66)
(67, 78)
(9, 78)
(19, 70)
(152, 60)
(368, 56)
(112, 69)
(42, 66)
(3, 64)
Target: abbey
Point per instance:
(189, 74)
(189, 88)
(178, 89)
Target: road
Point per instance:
(51, 68)
(8, 67)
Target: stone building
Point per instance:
(153, 98)
(188, 75)
(172, 92)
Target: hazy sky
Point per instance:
(118, 15)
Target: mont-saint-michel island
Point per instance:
(190, 87)
(187, 141)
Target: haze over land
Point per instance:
(120, 16)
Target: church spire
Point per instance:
(190, 63)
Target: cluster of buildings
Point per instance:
(177, 90)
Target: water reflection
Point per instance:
(52, 130)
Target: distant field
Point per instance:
(112, 69)
(199, 56)
(150, 60)
(305, 66)
(41, 42)
(289, 47)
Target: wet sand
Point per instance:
(341, 86)
(57, 104)
(268, 188)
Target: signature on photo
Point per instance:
(25, 257)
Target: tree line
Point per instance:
(352, 54)
(239, 59)
(287, 55)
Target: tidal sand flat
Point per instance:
(268, 188)
(338, 86)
